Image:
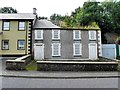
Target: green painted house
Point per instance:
(16, 33)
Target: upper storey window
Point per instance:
(92, 35)
(38, 34)
(21, 26)
(76, 34)
(55, 34)
(6, 25)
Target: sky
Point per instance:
(44, 7)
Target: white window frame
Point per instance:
(74, 35)
(6, 28)
(41, 34)
(5, 47)
(18, 47)
(80, 52)
(53, 34)
(59, 49)
(92, 37)
(23, 27)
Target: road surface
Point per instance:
(11, 82)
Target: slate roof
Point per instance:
(44, 24)
(17, 16)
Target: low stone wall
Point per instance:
(81, 66)
(15, 65)
(18, 64)
(107, 59)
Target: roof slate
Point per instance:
(45, 24)
(17, 16)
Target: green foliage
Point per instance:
(8, 10)
(105, 15)
(42, 18)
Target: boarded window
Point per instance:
(55, 34)
(77, 49)
(76, 34)
(56, 49)
(38, 34)
(92, 35)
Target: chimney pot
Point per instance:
(34, 11)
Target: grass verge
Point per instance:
(32, 66)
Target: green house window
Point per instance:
(21, 26)
(5, 44)
(6, 25)
(21, 44)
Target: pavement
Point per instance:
(56, 74)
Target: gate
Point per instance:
(109, 51)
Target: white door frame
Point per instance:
(35, 53)
(95, 56)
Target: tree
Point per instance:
(42, 18)
(8, 10)
(105, 15)
(57, 19)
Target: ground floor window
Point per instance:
(21, 44)
(56, 49)
(77, 50)
(5, 44)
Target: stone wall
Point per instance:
(19, 63)
(76, 66)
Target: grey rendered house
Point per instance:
(51, 42)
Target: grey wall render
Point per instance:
(66, 40)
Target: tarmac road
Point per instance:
(12, 82)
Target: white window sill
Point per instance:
(38, 38)
(77, 39)
(55, 55)
(55, 38)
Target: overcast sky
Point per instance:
(44, 7)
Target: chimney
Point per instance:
(34, 11)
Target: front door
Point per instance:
(39, 51)
(93, 51)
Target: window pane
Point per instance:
(38, 34)
(92, 35)
(5, 44)
(21, 44)
(56, 49)
(55, 34)
(77, 34)
(77, 49)
(6, 25)
(21, 25)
